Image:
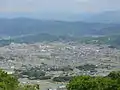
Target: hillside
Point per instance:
(110, 40)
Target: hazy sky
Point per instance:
(72, 6)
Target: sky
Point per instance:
(56, 6)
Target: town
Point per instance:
(53, 64)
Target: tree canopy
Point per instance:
(9, 82)
(110, 82)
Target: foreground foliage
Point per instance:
(110, 82)
(8, 82)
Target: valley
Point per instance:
(57, 62)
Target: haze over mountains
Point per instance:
(28, 28)
(101, 17)
(47, 28)
(23, 26)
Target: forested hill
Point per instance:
(23, 26)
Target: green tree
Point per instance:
(93, 83)
(7, 82)
(114, 75)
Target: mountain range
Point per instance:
(31, 30)
(26, 26)
(98, 17)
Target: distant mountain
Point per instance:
(102, 17)
(26, 30)
(24, 26)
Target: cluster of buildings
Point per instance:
(54, 56)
